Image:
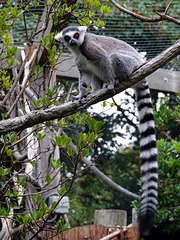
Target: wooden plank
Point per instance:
(135, 225)
(95, 232)
(165, 80)
(66, 68)
(110, 217)
(114, 234)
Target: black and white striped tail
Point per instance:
(148, 155)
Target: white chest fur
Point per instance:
(85, 65)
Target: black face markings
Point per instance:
(84, 85)
(76, 35)
(67, 38)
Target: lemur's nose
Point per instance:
(73, 42)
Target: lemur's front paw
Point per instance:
(80, 97)
(110, 88)
(75, 98)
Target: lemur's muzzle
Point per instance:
(73, 42)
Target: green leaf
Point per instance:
(48, 179)
(61, 191)
(14, 50)
(99, 125)
(38, 69)
(36, 198)
(60, 123)
(7, 170)
(91, 137)
(105, 9)
(1, 171)
(104, 104)
(21, 180)
(9, 152)
(45, 40)
(69, 151)
(13, 138)
(64, 229)
(44, 207)
(58, 140)
(85, 152)
(68, 141)
(9, 193)
(96, 4)
(100, 135)
(44, 101)
(40, 136)
(10, 62)
(35, 16)
(39, 214)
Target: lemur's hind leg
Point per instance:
(123, 65)
(84, 85)
(96, 83)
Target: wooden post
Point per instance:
(110, 217)
(135, 225)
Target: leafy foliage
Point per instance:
(94, 137)
(168, 214)
(167, 118)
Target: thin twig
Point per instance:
(146, 19)
(24, 18)
(167, 8)
(25, 80)
(154, 9)
(15, 81)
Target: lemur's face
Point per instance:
(72, 36)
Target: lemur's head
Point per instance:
(72, 36)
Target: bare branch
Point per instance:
(103, 177)
(69, 108)
(32, 180)
(25, 80)
(15, 81)
(146, 19)
(167, 8)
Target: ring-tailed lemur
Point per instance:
(102, 59)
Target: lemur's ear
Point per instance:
(59, 36)
(82, 28)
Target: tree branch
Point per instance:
(69, 108)
(161, 17)
(103, 177)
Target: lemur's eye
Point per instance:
(67, 38)
(76, 35)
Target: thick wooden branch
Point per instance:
(161, 17)
(66, 109)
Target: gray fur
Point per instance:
(102, 59)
